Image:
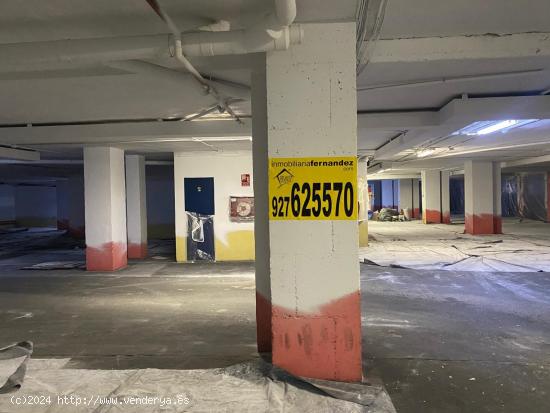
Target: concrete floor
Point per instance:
(441, 341)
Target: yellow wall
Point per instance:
(363, 234)
(238, 246)
(181, 249)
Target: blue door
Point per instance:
(199, 207)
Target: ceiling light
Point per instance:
(497, 127)
(488, 127)
(425, 152)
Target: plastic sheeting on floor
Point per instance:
(525, 247)
(13, 366)
(248, 387)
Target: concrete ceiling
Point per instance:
(430, 53)
(430, 18)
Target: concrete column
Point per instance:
(547, 196)
(136, 206)
(363, 198)
(416, 198)
(406, 195)
(307, 271)
(431, 197)
(497, 198)
(482, 198)
(105, 197)
(445, 197)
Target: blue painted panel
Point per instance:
(199, 195)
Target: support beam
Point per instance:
(363, 198)
(105, 196)
(445, 197)
(406, 195)
(482, 204)
(19, 154)
(124, 132)
(497, 198)
(417, 211)
(315, 315)
(536, 160)
(431, 197)
(476, 47)
(136, 206)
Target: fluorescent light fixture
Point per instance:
(488, 127)
(505, 124)
(222, 139)
(425, 152)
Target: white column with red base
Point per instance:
(431, 197)
(136, 206)
(417, 213)
(482, 198)
(406, 199)
(308, 291)
(105, 204)
(445, 197)
(497, 198)
(363, 199)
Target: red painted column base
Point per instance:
(263, 323)
(137, 251)
(483, 224)
(446, 218)
(416, 213)
(432, 216)
(497, 224)
(325, 345)
(110, 256)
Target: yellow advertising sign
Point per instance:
(313, 188)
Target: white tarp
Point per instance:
(13, 366)
(524, 248)
(249, 387)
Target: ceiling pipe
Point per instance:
(274, 27)
(268, 35)
(171, 75)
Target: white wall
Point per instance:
(7, 203)
(233, 240)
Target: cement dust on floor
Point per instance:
(524, 247)
(131, 322)
(441, 341)
(446, 341)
